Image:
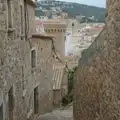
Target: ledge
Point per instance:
(37, 35)
(22, 36)
(32, 2)
(11, 30)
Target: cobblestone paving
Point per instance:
(59, 114)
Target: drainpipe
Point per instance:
(25, 14)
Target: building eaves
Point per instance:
(31, 2)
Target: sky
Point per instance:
(98, 3)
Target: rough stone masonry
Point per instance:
(20, 88)
(97, 84)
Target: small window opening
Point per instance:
(33, 58)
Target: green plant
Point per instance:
(70, 79)
(69, 97)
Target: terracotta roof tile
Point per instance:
(58, 72)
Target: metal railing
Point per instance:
(94, 48)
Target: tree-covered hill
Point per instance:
(74, 9)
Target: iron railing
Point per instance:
(94, 48)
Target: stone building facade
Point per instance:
(43, 72)
(97, 82)
(56, 28)
(24, 73)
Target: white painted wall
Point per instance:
(68, 44)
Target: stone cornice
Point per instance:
(48, 37)
(32, 2)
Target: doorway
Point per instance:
(10, 103)
(36, 103)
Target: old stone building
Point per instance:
(56, 28)
(97, 84)
(12, 40)
(25, 73)
(43, 71)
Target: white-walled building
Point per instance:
(39, 26)
(68, 46)
(81, 39)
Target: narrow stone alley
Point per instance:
(58, 114)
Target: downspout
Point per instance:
(25, 12)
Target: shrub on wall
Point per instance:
(69, 97)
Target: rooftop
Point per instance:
(57, 76)
(54, 21)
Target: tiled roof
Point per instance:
(58, 72)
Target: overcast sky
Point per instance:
(99, 3)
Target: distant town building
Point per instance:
(68, 37)
(39, 26)
(47, 2)
(82, 38)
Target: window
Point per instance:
(21, 14)
(33, 58)
(36, 100)
(9, 13)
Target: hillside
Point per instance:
(73, 9)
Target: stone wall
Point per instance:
(17, 80)
(97, 85)
(43, 73)
(10, 60)
(57, 29)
